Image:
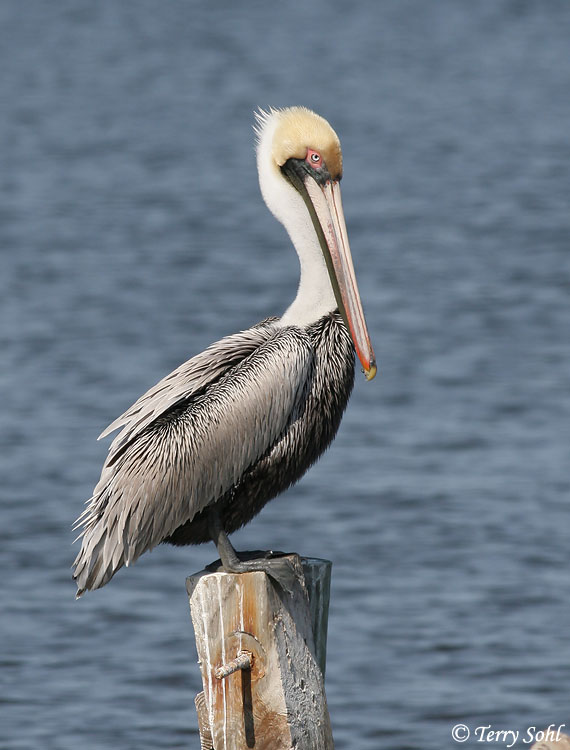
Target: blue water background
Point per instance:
(132, 234)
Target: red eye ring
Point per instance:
(313, 158)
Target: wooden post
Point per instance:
(262, 652)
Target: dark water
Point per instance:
(132, 234)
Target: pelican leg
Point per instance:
(274, 564)
(226, 551)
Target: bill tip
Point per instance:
(370, 373)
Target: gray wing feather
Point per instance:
(170, 462)
(190, 377)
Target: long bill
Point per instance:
(328, 218)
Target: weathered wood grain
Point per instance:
(280, 702)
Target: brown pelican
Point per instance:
(202, 451)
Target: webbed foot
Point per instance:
(279, 566)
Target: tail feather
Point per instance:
(101, 554)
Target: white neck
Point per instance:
(315, 296)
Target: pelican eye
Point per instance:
(314, 158)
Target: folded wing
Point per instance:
(187, 441)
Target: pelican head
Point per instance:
(299, 161)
